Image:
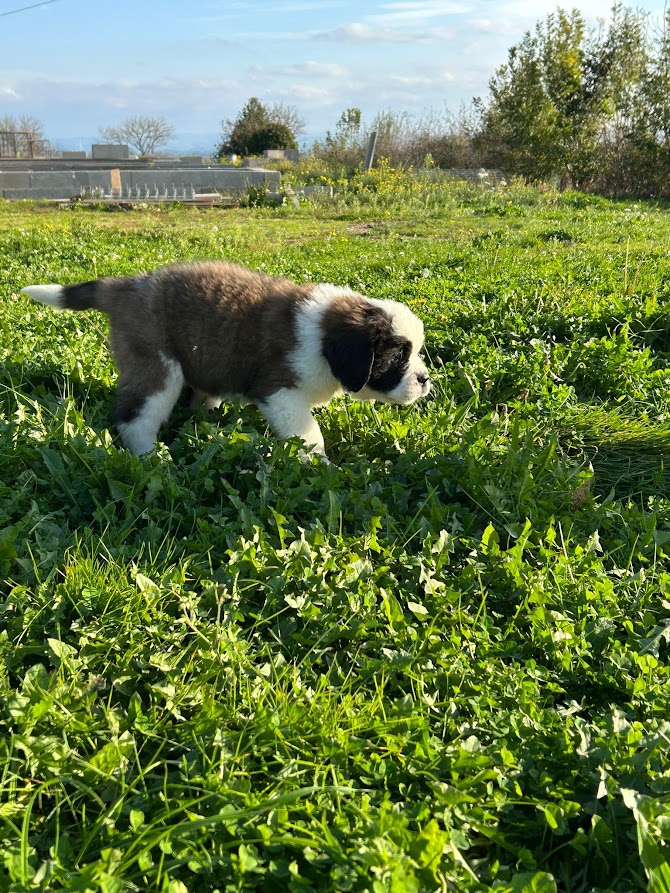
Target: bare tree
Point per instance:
(141, 132)
(288, 115)
(26, 123)
(435, 139)
(29, 138)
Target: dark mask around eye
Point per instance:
(390, 364)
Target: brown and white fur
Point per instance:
(225, 330)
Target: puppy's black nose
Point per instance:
(423, 378)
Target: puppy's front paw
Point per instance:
(306, 456)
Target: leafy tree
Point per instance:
(258, 127)
(343, 149)
(141, 132)
(237, 134)
(349, 125)
(271, 136)
(651, 127)
(519, 120)
(589, 107)
(620, 65)
(544, 111)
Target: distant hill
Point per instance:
(182, 144)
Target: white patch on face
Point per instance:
(140, 435)
(289, 414)
(403, 321)
(308, 362)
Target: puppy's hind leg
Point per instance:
(143, 405)
(202, 398)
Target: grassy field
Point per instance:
(440, 664)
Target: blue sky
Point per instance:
(82, 64)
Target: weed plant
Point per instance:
(441, 663)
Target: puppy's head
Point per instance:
(373, 347)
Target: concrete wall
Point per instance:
(110, 150)
(71, 184)
(278, 154)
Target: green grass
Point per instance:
(441, 663)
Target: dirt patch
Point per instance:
(361, 229)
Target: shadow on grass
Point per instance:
(630, 456)
(44, 382)
(631, 476)
(631, 471)
(48, 386)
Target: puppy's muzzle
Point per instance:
(424, 381)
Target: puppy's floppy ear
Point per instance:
(350, 355)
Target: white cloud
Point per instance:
(253, 8)
(93, 105)
(419, 12)
(431, 81)
(302, 70)
(360, 33)
(245, 37)
(309, 94)
(407, 22)
(494, 26)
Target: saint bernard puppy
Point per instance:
(224, 330)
